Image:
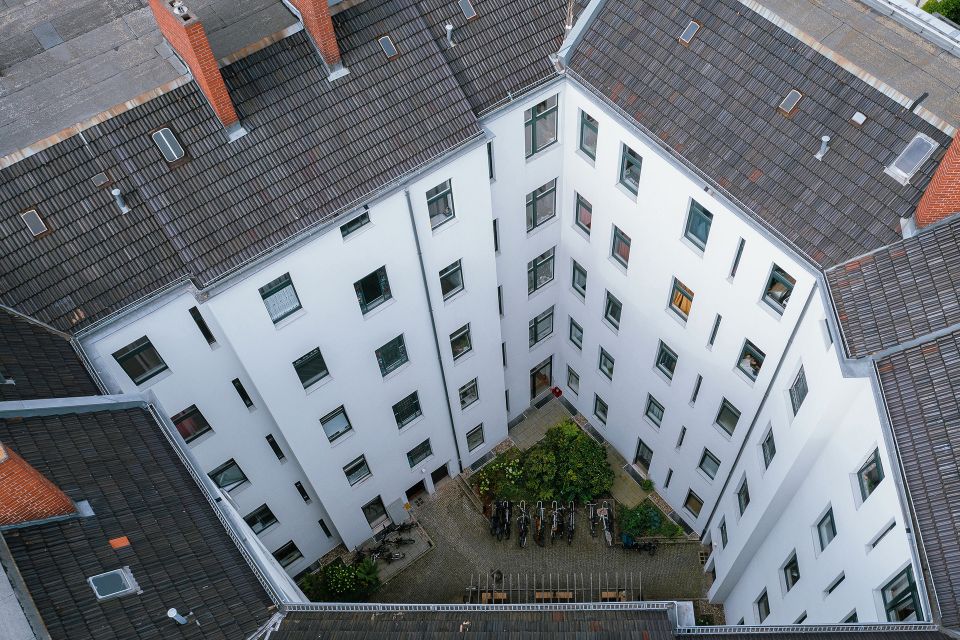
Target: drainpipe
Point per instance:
(433, 326)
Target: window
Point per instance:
(612, 310)
(460, 341)
(579, 279)
(503, 353)
(693, 503)
(357, 471)
(751, 359)
(736, 258)
(242, 393)
(801, 619)
(191, 423)
(389, 49)
(407, 410)
(287, 554)
(620, 249)
(496, 235)
(688, 33)
(576, 334)
(140, 360)
(644, 456)
(500, 300)
(798, 391)
(540, 126)
(584, 213)
(791, 571)
(469, 393)
(373, 290)
(713, 331)
(826, 529)
(202, 326)
(681, 299)
(900, 598)
(870, 474)
(666, 483)
(911, 158)
(261, 519)
(541, 327)
(600, 409)
(228, 476)
(790, 102)
(852, 618)
(630, 163)
(35, 223)
(728, 416)
(392, 355)
(723, 534)
(573, 381)
(836, 583)
(354, 225)
(451, 280)
(666, 360)
(779, 287)
(606, 363)
(275, 447)
(883, 534)
(768, 448)
(169, 146)
(419, 453)
(375, 512)
(475, 437)
(311, 368)
(336, 423)
(303, 492)
(709, 464)
(743, 496)
(696, 389)
(324, 528)
(681, 436)
(763, 606)
(698, 224)
(541, 377)
(589, 128)
(440, 204)
(541, 204)
(490, 171)
(113, 584)
(654, 410)
(540, 271)
(280, 298)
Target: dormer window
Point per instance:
(34, 223)
(114, 584)
(911, 158)
(388, 47)
(169, 146)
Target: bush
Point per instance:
(647, 520)
(339, 582)
(646, 484)
(948, 8)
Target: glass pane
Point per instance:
(469, 393)
(357, 471)
(451, 280)
(228, 476)
(336, 424)
(588, 135)
(460, 342)
(698, 224)
(475, 438)
(310, 368)
(541, 378)
(374, 512)
(584, 214)
(190, 423)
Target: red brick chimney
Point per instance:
(25, 494)
(942, 197)
(315, 16)
(186, 35)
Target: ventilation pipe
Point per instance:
(118, 199)
(450, 42)
(824, 147)
(174, 615)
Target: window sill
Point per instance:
(652, 423)
(586, 158)
(379, 308)
(539, 342)
(360, 483)
(580, 295)
(549, 222)
(362, 230)
(584, 233)
(739, 373)
(774, 312)
(542, 152)
(267, 529)
(464, 357)
(663, 376)
(627, 192)
(609, 325)
(453, 297)
(703, 474)
(396, 372)
(290, 319)
(677, 317)
(723, 432)
(446, 224)
(472, 404)
(341, 438)
(697, 249)
(533, 294)
(415, 468)
(322, 382)
(206, 435)
(237, 490)
(154, 379)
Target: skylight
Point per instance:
(468, 11)
(789, 104)
(168, 144)
(113, 584)
(34, 222)
(911, 158)
(388, 49)
(688, 33)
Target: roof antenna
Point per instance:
(450, 42)
(121, 203)
(568, 24)
(824, 147)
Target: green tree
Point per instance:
(339, 582)
(948, 8)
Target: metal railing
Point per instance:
(426, 608)
(880, 627)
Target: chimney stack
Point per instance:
(26, 495)
(186, 35)
(942, 196)
(315, 16)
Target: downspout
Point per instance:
(433, 326)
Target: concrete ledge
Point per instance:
(924, 24)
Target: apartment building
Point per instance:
(344, 270)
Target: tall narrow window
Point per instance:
(654, 410)
(606, 363)
(475, 437)
(709, 464)
(836, 583)
(311, 368)
(500, 300)
(490, 170)
(579, 279)
(743, 496)
(540, 270)
(357, 470)
(728, 416)
(589, 130)
(302, 491)
(440, 204)
(870, 474)
(666, 360)
(699, 221)
(451, 280)
(202, 326)
(630, 165)
(540, 126)
(460, 342)
(693, 503)
(791, 571)
(798, 391)
(407, 410)
(496, 235)
(541, 327)
(714, 330)
(392, 355)
(600, 409)
(644, 457)
(900, 598)
(769, 448)
(541, 204)
(779, 287)
(244, 396)
(681, 436)
(723, 534)
(336, 424)
(584, 214)
(666, 483)
(826, 529)
(275, 447)
(469, 393)
(681, 299)
(763, 606)
(190, 423)
(140, 360)
(751, 359)
(280, 298)
(373, 290)
(419, 453)
(696, 389)
(324, 528)
(736, 258)
(620, 249)
(612, 310)
(576, 334)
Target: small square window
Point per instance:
(579, 279)
(606, 363)
(681, 299)
(375, 512)
(260, 519)
(140, 360)
(798, 391)
(460, 343)
(190, 423)
(440, 204)
(620, 249)
(584, 214)
(311, 368)
(698, 224)
(743, 496)
(475, 437)
(573, 381)
(541, 327)
(666, 360)
(228, 476)
(392, 355)
(540, 271)
(287, 554)
(791, 571)
(612, 310)
(280, 298)
(113, 584)
(826, 529)
(779, 288)
(540, 126)
(576, 334)
(751, 359)
(469, 393)
(709, 464)
(541, 205)
(451, 280)
(693, 503)
(600, 409)
(870, 474)
(728, 416)
(355, 225)
(630, 165)
(589, 130)
(407, 410)
(336, 424)
(419, 453)
(373, 290)
(769, 448)
(357, 471)
(654, 410)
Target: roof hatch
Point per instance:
(34, 223)
(389, 49)
(911, 158)
(468, 11)
(789, 104)
(689, 32)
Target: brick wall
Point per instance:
(942, 196)
(25, 494)
(316, 19)
(186, 35)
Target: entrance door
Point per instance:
(541, 377)
(439, 474)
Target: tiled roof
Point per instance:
(715, 104)
(901, 292)
(41, 362)
(802, 633)
(179, 553)
(921, 386)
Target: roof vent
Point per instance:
(388, 49)
(789, 104)
(174, 615)
(824, 147)
(118, 199)
(911, 158)
(449, 28)
(468, 11)
(34, 223)
(859, 118)
(689, 32)
(114, 584)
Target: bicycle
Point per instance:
(500, 516)
(540, 522)
(592, 517)
(399, 541)
(606, 521)
(523, 523)
(507, 518)
(403, 527)
(554, 522)
(571, 509)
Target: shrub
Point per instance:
(501, 478)
(646, 484)
(948, 8)
(647, 520)
(342, 582)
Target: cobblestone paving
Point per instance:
(464, 548)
